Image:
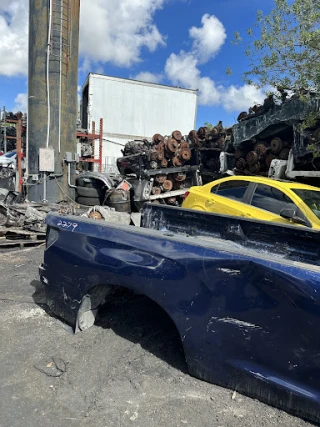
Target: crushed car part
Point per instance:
(234, 297)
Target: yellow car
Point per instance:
(258, 198)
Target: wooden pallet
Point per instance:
(17, 238)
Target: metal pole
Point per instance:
(100, 144)
(19, 156)
(60, 72)
(4, 130)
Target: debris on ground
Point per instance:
(22, 223)
(55, 367)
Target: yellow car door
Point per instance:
(268, 201)
(227, 198)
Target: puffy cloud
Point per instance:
(21, 103)
(110, 31)
(146, 76)
(116, 32)
(208, 39)
(14, 37)
(183, 69)
(240, 98)
(209, 93)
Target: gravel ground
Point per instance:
(128, 370)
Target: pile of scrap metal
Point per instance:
(22, 224)
(106, 213)
(159, 170)
(102, 189)
(278, 132)
(169, 165)
(254, 158)
(162, 152)
(7, 178)
(211, 143)
(163, 168)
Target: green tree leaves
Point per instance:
(284, 46)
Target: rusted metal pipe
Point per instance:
(156, 191)
(184, 144)
(180, 177)
(157, 138)
(160, 178)
(167, 185)
(193, 137)
(241, 164)
(276, 145)
(172, 146)
(177, 135)
(184, 154)
(252, 158)
(284, 154)
(164, 163)
(176, 162)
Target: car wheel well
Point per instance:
(97, 297)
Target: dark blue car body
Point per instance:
(244, 295)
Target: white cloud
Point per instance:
(14, 37)
(183, 69)
(110, 31)
(241, 98)
(208, 40)
(146, 76)
(116, 32)
(21, 103)
(210, 94)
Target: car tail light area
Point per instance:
(186, 194)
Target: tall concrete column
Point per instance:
(61, 87)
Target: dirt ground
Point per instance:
(128, 370)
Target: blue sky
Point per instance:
(176, 42)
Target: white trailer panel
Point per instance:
(135, 110)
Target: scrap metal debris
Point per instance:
(22, 223)
(108, 214)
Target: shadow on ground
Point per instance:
(140, 320)
(39, 295)
(135, 318)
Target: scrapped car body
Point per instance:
(258, 198)
(244, 295)
(8, 160)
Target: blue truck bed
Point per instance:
(244, 295)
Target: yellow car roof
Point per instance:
(268, 181)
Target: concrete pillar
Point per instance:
(63, 110)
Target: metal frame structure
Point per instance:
(93, 137)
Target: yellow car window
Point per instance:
(311, 198)
(271, 199)
(234, 189)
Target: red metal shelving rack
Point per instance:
(19, 150)
(93, 137)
